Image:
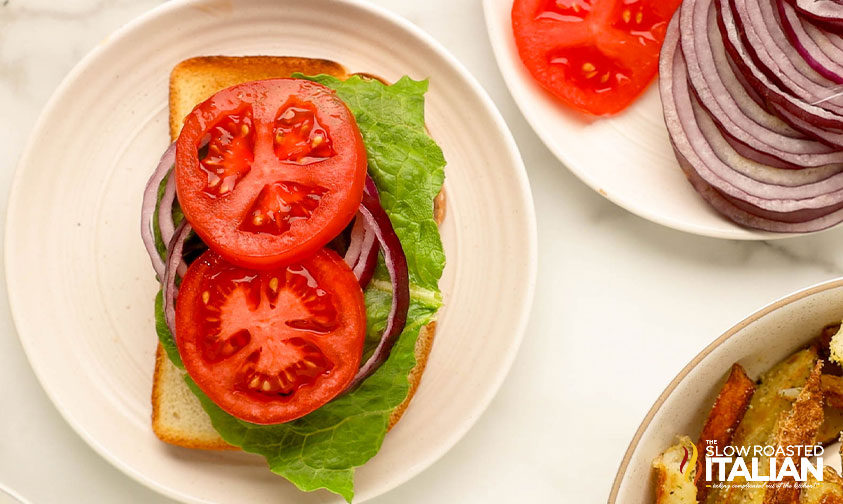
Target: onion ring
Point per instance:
(165, 210)
(150, 199)
(377, 220)
(174, 264)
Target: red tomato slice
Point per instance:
(282, 176)
(597, 56)
(271, 346)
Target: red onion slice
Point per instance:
(358, 232)
(826, 61)
(362, 254)
(766, 43)
(811, 199)
(744, 218)
(750, 129)
(165, 209)
(378, 221)
(150, 200)
(731, 173)
(762, 84)
(707, 104)
(824, 38)
(829, 12)
(174, 265)
(828, 135)
(764, 173)
(365, 267)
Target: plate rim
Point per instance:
(531, 243)
(735, 232)
(669, 389)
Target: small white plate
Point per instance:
(626, 158)
(81, 287)
(758, 342)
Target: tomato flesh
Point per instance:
(596, 56)
(589, 69)
(230, 154)
(566, 11)
(299, 136)
(279, 205)
(269, 346)
(283, 173)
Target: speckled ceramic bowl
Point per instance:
(758, 342)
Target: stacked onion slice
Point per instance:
(371, 233)
(753, 103)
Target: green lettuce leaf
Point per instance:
(322, 449)
(160, 246)
(406, 164)
(164, 334)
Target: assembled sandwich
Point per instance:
(293, 225)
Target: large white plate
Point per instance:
(81, 286)
(626, 158)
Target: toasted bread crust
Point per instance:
(191, 82)
(167, 404)
(196, 79)
(424, 344)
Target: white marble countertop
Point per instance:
(621, 304)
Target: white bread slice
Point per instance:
(177, 415)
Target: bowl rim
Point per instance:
(766, 310)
